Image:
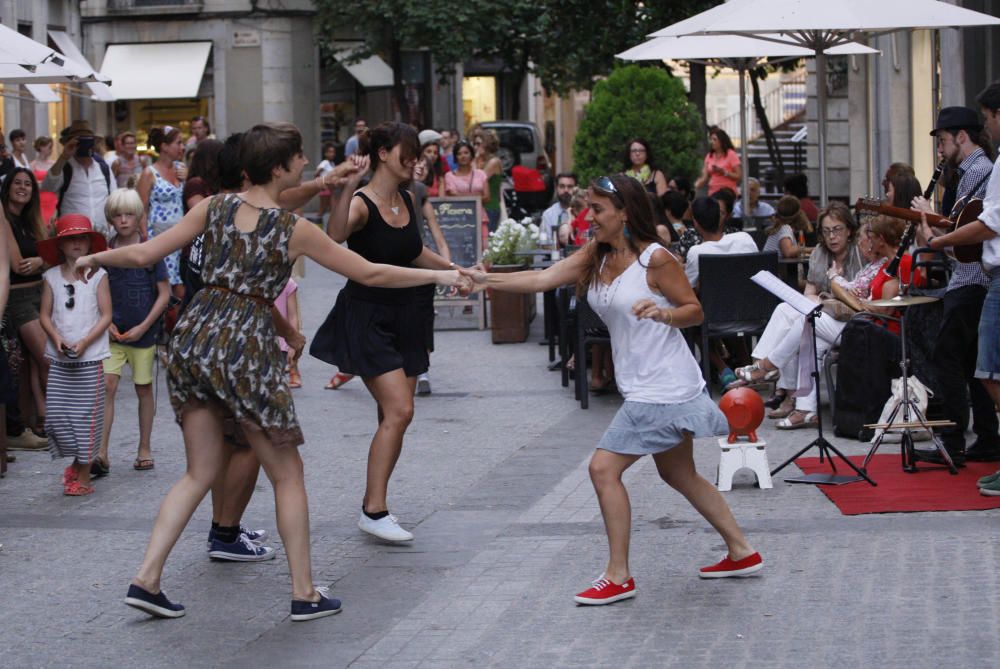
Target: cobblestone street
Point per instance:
(493, 482)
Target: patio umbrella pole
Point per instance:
(821, 122)
(744, 149)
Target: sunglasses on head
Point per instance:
(71, 291)
(606, 185)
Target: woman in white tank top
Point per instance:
(640, 291)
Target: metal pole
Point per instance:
(821, 122)
(744, 149)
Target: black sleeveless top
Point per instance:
(380, 242)
(25, 239)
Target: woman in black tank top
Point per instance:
(377, 333)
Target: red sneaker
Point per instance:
(604, 591)
(727, 567)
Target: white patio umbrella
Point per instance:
(734, 52)
(819, 25)
(25, 61)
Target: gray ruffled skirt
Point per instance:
(644, 429)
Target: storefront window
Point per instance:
(479, 100)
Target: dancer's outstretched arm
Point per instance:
(666, 276)
(310, 241)
(563, 272)
(148, 252)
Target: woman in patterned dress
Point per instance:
(161, 188)
(224, 355)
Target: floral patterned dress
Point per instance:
(225, 349)
(166, 208)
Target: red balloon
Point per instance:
(744, 409)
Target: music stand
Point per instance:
(811, 311)
(908, 404)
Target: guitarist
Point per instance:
(968, 346)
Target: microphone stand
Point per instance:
(826, 449)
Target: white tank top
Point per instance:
(653, 363)
(74, 324)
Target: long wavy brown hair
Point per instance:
(640, 226)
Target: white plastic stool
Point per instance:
(749, 454)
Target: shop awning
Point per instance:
(43, 92)
(370, 72)
(68, 47)
(155, 70)
(25, 61)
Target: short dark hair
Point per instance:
(567, 175)
(727, 196)
(386, 136)
(989, 97)
(203, 120)
(706, 213)
(266, 146)
(682, 183)
(230, 171)
(676, 203)
(205, 163)
(797, 185)
(17, 134)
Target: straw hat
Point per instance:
(70, 225)
(76, 129)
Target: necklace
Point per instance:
(394, 210)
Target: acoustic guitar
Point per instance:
(970, 212)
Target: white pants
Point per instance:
(781, 342)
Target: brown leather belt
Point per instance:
(264, 302)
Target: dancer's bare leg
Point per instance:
(676, 468)
(206, 457)
(606, 469)
(283, 467)
(394, 393)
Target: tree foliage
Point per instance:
(566, 43)
(638, 102)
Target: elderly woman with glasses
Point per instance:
(777, 352)
(640, 291)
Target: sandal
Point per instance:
(338, 380)
(797, 420)
(750, 373)
(776, 399)
(294, 379)
(69, 475)
(786, 407)
(99, 468)
(77, 489)
(143, 464)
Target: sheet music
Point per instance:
(784, 292)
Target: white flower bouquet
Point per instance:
(508, 239)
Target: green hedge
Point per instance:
(644, 102)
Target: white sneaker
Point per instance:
(386, 528)
(423, 385)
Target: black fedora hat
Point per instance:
(953, 118)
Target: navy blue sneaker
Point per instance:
(155, 605)
(256, 536)
(326, 606)
(241, 550)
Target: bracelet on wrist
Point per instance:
(670, 316)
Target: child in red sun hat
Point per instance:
(75, 316)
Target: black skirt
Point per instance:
(425, 300)
(370, 339)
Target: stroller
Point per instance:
(530, 195)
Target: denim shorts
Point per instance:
(988, 362)
(645, 429)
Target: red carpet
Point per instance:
(931, 489)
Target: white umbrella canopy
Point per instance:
(25, 61)
(820, 25)
(736, 52)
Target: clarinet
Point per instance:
(934, 179)
(892, 269)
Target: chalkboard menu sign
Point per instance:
(460, 219)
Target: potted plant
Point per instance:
(510, 313)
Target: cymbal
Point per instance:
(901, 301)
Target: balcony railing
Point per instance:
(785, 102)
